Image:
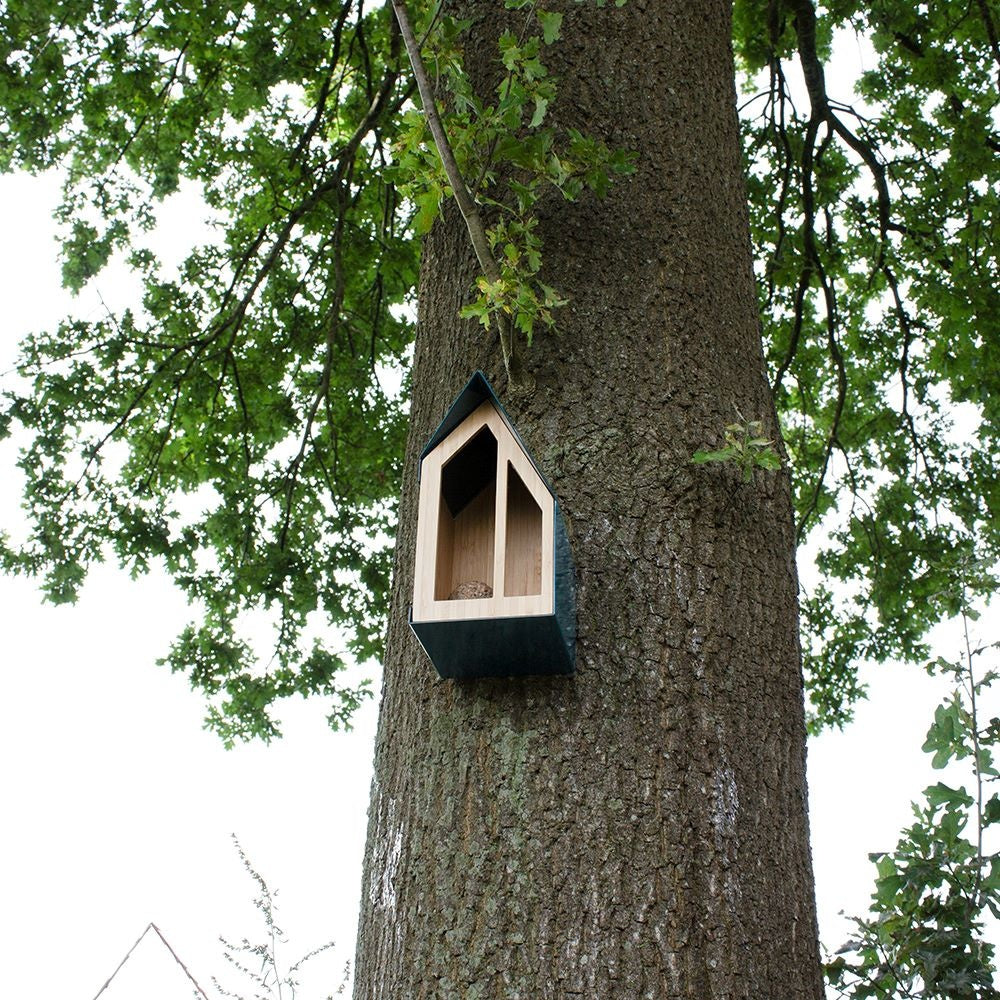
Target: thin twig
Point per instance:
(166, 943)
(466, 203)
(128, 954)
(975, 902)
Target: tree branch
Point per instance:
(466, 204)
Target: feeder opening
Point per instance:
(523, 559)
(467, 521)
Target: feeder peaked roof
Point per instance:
(477, 391)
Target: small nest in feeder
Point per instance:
(471, 591)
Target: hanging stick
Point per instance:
(466, 203)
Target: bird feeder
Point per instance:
(493, 592)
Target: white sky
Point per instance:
(118, 808)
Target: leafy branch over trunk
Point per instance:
(466, 203)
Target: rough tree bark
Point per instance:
(638, 830)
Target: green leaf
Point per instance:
(428, 206)
(724, 455)
(551, 23)
(541, 106)
(941, 794)
(991, 811)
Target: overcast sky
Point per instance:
(118, 807)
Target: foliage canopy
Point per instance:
(240, 425)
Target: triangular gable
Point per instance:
(477, 390)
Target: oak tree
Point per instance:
(639, 829)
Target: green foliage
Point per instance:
(243, 425)
(745, 447)
(925, 936)
(873, 215)
(233, 425)
(510, 157)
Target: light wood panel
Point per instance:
(465, 544)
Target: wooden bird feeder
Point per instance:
(493, 592)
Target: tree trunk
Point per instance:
(638, 829)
